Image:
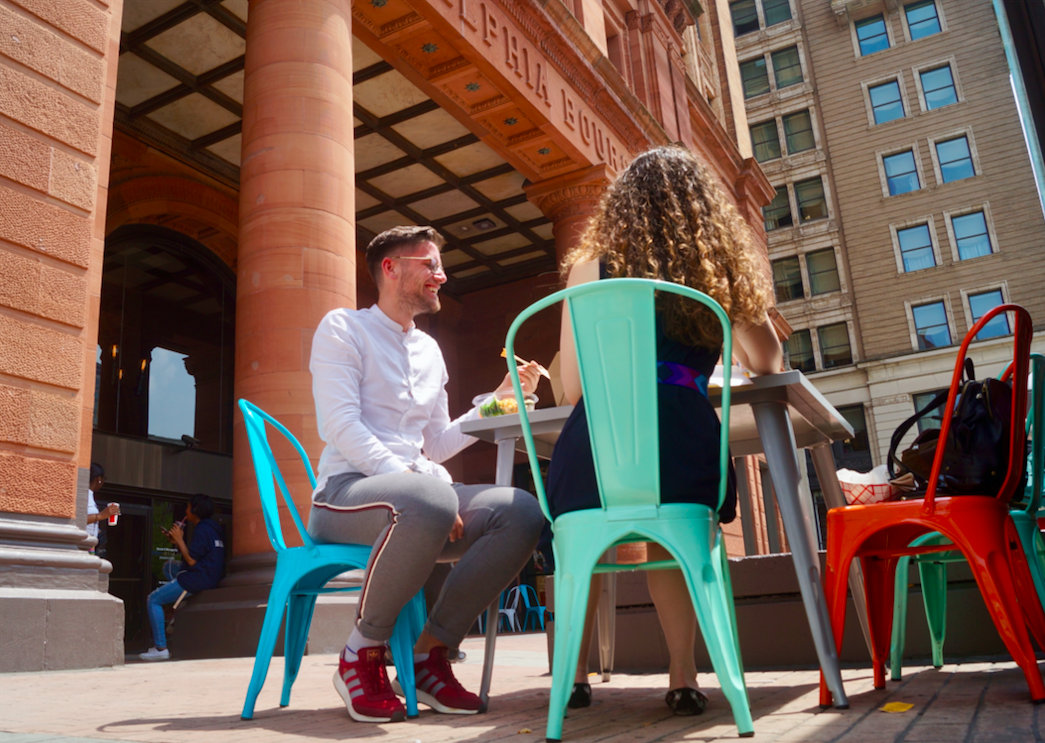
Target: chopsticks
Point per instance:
(540, 369)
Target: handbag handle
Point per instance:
(904, 427)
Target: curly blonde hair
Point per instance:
(665, 218)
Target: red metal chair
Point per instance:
(980, 526)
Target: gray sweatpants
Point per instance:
(408, 517)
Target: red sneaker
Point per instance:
(364, 687)
(437, 687)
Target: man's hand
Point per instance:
(528, 378)
(113, 509)
(458, 529)
(176, 535)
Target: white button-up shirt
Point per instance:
(380, 397)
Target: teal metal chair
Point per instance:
(615, 334)
(932, 567)
(303, 572)
(528, 605)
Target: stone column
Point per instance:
(569, 201)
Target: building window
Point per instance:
(932, 420)
(766, 141)
(938, 87)
(823, 272)
(776, 11)
(787, 279)
(955, 159)
(787, 68)
(834, 345)
(755, 77)
(871, 35)
(811, 202)
(859, 442)
(778, 213)
(799, 348)
(745, 17)
(901, 173)
(798, 130)
(922, 19)
(982, 303)
(970, 233)
(930, 325)
(916, 248)
(886, 103)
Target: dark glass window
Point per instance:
(930, 325)
(799, 349)
(798, 129)
(901, 173)
(777, 11)
(854, 416)
(777, 213)
(970, 232)
(886, 103)
(938, 87)
(745, 17)
(755, 77)
(787, 279)
(933, 419)
(916, 248)
(823, 272)
(811, 202)
(766, 141)
(834, 345)
(922, 19)
(787, 68)
(981, 304)
(872, 35)
(955, 159)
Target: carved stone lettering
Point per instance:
(569, 115)
(491, 25)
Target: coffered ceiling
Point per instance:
(180, 89)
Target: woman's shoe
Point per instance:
(581, 696)
(686, 701)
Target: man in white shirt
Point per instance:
(381, 406)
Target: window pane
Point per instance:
(745, 17)
(981, 304)
(766, 141)
(777, 11)
(798, 128)
(916, 248)
(922, 19)
(872, 36)
(955, 159)
(799, 349)
(930, 323)
(933, 419)
(778, 213)
(886, 103)
(970, 232)
(823, 272)
(787, 68)
(834, 345)
(755, 77)
(938, 87)
(811, 202)
(854, 416)
(172, 396)
(900, 173)
(787, 279)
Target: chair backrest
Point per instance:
(614, 330)
(267, 471)
(1017, 431)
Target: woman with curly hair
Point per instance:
(665, 218)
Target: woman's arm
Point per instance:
(757, 347)
(581, 273)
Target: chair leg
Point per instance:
(571, 603)
(899, 640)
(879, 580)
(404, 637)
(836, 584)
(492, 619)
(933, 576)
(299, 619)
(277, 603)
(1026, 593)
(1030, 538)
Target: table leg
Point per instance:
(607, 617)
(778, 440)
(824, 463)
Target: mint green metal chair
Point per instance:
(615, 335)
(303, 572)
(932, 567)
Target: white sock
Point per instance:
(356, 642)
(420, 657)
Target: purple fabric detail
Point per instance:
(682, 376)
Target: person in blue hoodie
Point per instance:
(202, 567)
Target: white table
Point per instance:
(775, 415)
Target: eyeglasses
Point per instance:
(433, 266)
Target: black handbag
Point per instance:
(976, 453)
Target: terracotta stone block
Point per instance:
(14, 422)
(82, 72)
(44, 228)
(48, 110)
(283, 228)
(43, 487)
(63, 296)
(295, 151)
(298, 308)
(19, 282)
(78, 18)
(43, 355)
(332, 272)
(73, 180)
(272, 351)
(329, 117)
(298, 45)
(54, 422)
(275, 189)
(30, 44)
(23, 158)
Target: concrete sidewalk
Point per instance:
(200, 702)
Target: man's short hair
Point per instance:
(392, 240)
(202, 506)
(96, 471)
